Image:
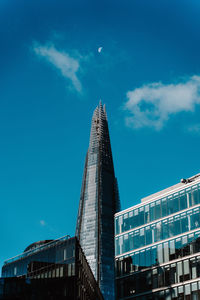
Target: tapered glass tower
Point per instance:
(99, 202)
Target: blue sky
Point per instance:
(51, 79)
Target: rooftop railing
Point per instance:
(35, 250)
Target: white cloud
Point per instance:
(42, 223)
(195, 128)
(151, 105)
(66, 64)
(100, 49)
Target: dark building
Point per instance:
(49, 270)
(99, 202)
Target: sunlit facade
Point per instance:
(98, 202)
(157, 245)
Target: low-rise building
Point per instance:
(157, 245)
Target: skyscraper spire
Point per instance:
(98, 203)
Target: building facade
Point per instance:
(157, 245)
(49, 270)
(99, 202)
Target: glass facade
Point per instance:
(98, 202)
(157, 247)
(54, 270)
(157, 209)
(160, 230)
(60, 251)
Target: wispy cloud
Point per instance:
(42, 223)
(195, 129)
(66, 64)
(48, 227)
(151, 105)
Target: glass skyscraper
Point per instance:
(157, 245)
(99, 201)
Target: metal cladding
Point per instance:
(99, 202)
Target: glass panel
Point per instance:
(148, 235)
(179, 272)
(158, 232)
(142, 238)
(160, 253)
(194, 286)
(116, 225)
(136, 261)
(126, 243)
(194, 197)
(173, 274)
(176, 203)
(125, 223)
(170, 205)
(198, 265)
(131, 219)
(186, 270)
(172, 250)
(142, 260)
(141, 215)
(154, 256)
(171, 227)
(136, 239)
(152, 213)
(177, 225)
(164, 207)
(178, 248)
(174, 293)
(131, 245)
(157, 210)
(195, 219)
(187, 290)
(136, 218)
(166, 252)
(183, 201)
(147, 216)
(193, 268)
(184, 222)
(165, 229)
(186, 246)
(148, 257)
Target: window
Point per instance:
(195, 219)
(179, 272)
(170, 205)
(183, 201)
(152, 209)
(165, 229)
(160, 254)
(193, 268)
(166, 252)
(184, 222)
(158, 232)
(148, 235)
(141, 215)
(142, 260)
(186, 270)
(157, 210)
(131, 219)
(164, 207)
(177, 225)
(146, 214)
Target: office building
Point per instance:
(49, 270)
(98, 203)
(157, 245)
